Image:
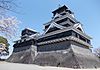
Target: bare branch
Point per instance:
(97, 51)
(8, 26)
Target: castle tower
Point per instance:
(63, 43)
(25, 49)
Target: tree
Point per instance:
(3, 46)
(97, 52)
(6, 5)
(4, 41)
(8, 24)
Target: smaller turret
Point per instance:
(62, 11)
(27, 32)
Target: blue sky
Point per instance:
(34, 13)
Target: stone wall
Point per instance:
(25, 56)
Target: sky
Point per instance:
(34, 13)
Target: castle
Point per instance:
(63, 44)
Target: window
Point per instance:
(82, 38)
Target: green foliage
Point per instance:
(4, 40)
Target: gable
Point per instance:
(54, 26)
(79, 27)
